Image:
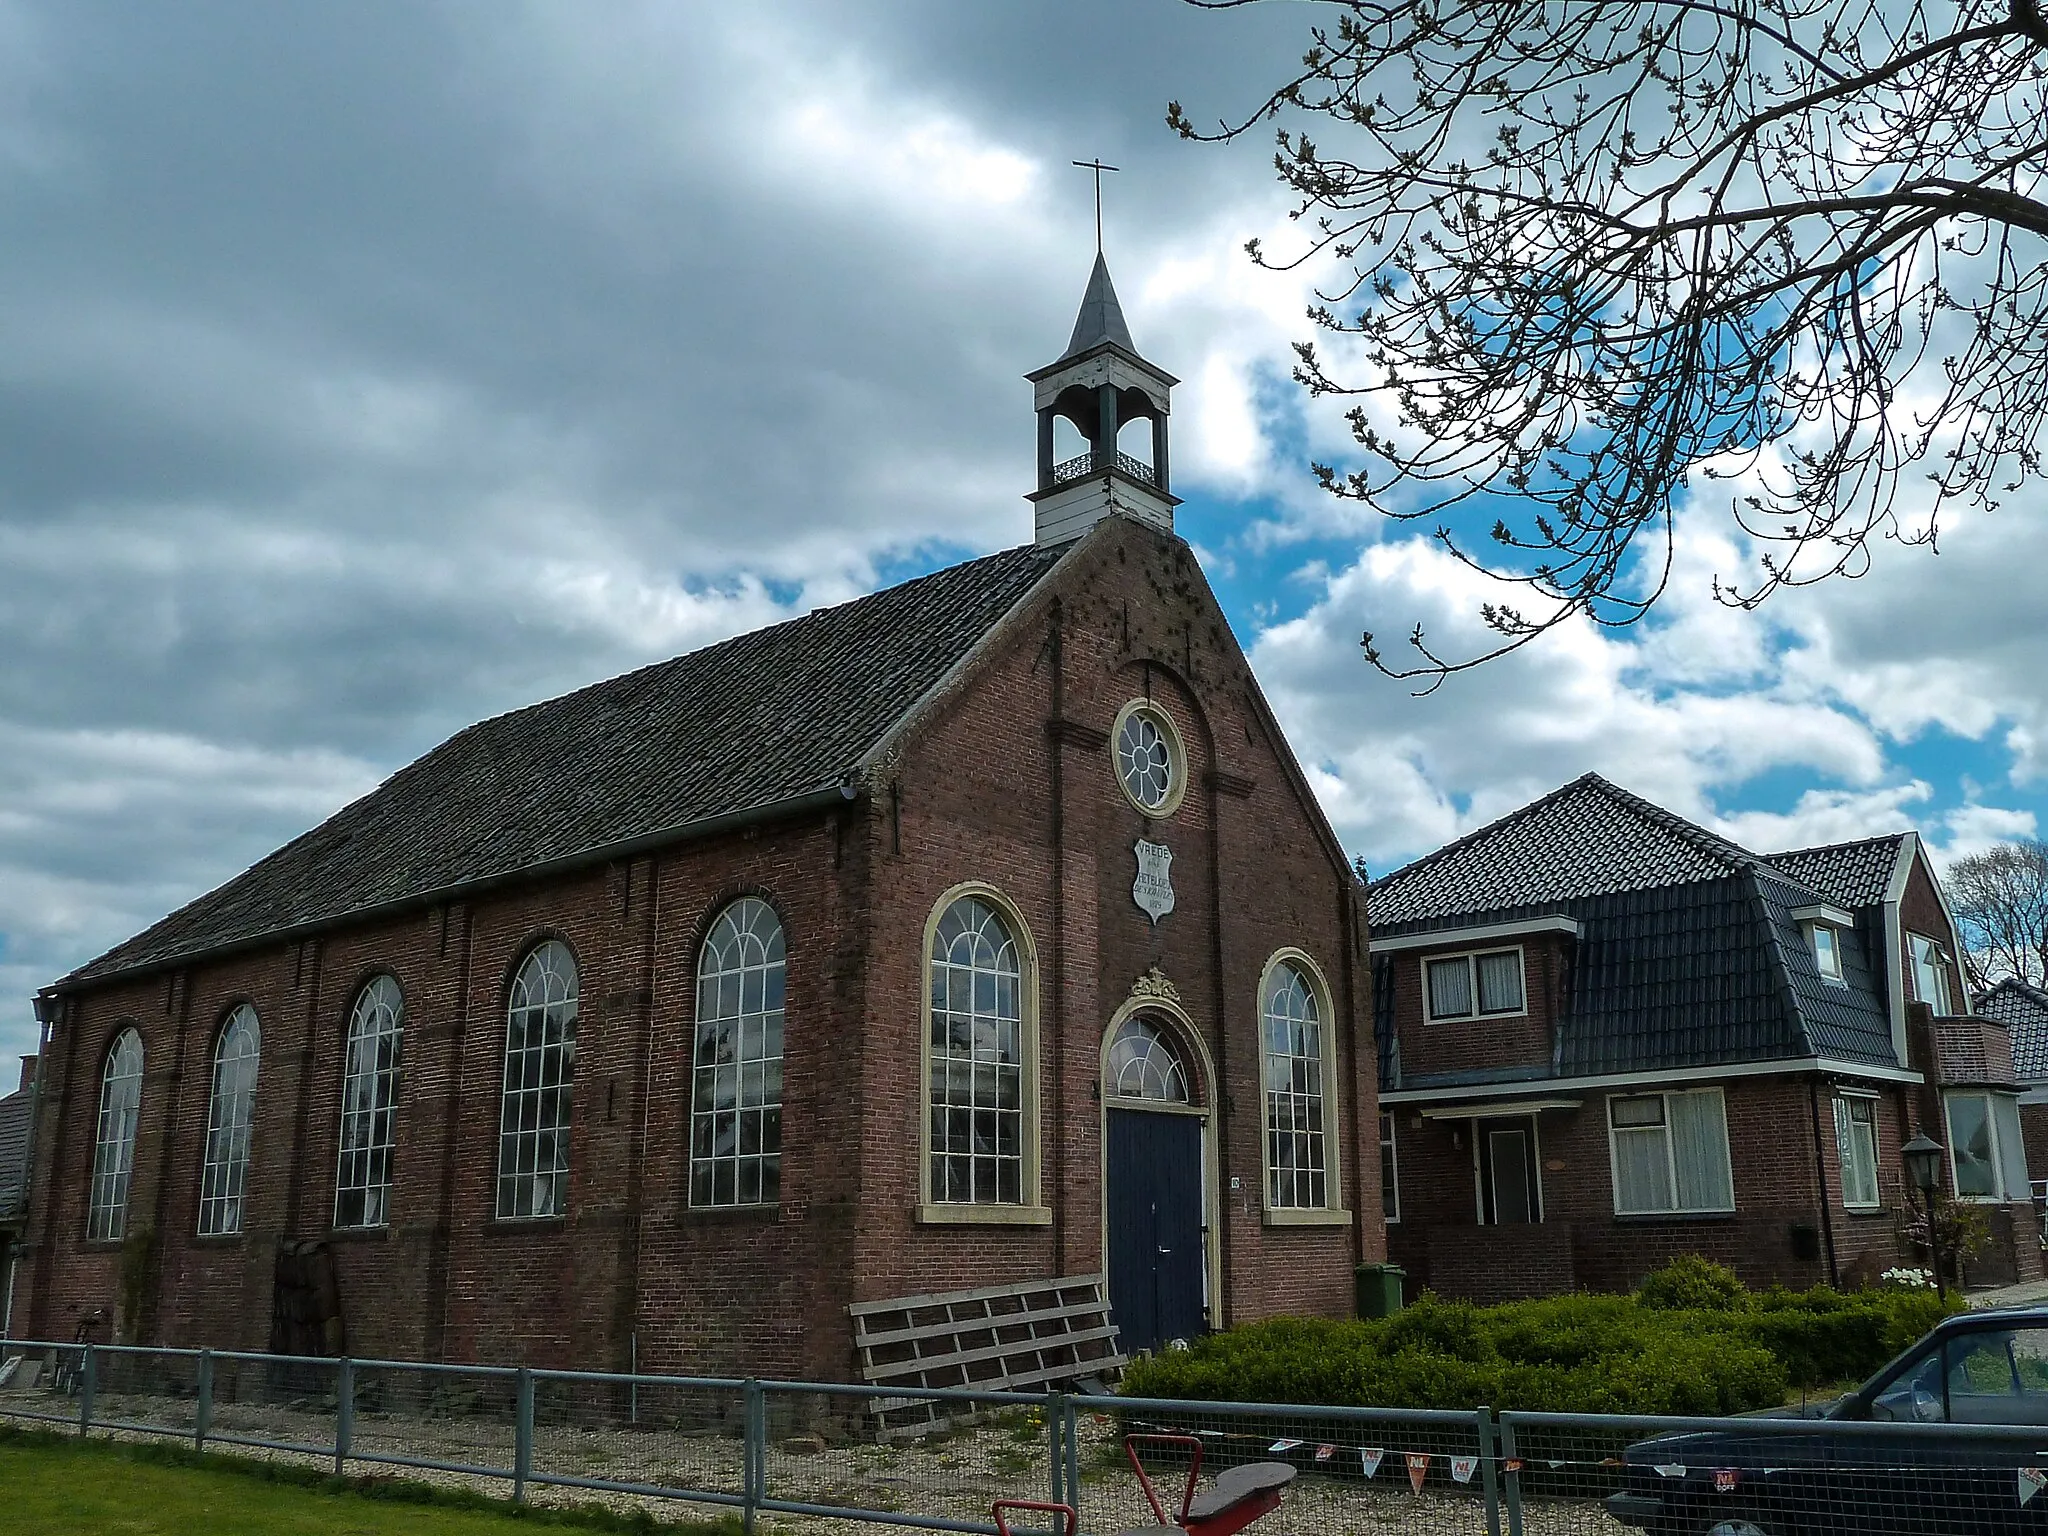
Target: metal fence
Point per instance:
(805, 1451)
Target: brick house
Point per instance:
(1608, 1036)
(2023, 1009)
(17, 1121)
(980, 931)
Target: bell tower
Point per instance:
(1100, 385)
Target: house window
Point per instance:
(1151, 763)
(736, 1113)
(230, 1113)
(1986, 1151)
(1390, 1174)
(113, 1153)
(1930, 973)
(1296, 1063)
(369, 1106)
(1856, 1145)
(1670, 1153)
(1478, 985)
(1144, 1064)
(1827, 950)
(975, 1058)
(540, 1071)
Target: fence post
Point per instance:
(88, 1383)
(1070, 1431)
(1056, 1446)
(754, 1478)
(522, 1436)
(1488, 1472)
(344, 1412)
(1511, 1467)
(202, 1409)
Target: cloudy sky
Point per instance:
(368, 369)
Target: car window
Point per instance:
(1914, 1396)
(1999, 1376)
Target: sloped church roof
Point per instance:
(761, 720)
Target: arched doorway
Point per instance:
(1155, 1195)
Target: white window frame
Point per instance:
(1328, 1097)
(1153, 713)
(1813, 933)
(1472, 957)
(554, 1012)
(1670, 1152)
(230, 1124)
(369, 1105)
(736, 1056)
(1027, 1209)
(1390, 1167)
(113, 1153)
(1846, 1126)
(1998, 1150)
(1945, 1005)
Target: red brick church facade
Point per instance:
(868, 785)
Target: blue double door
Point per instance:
(1154, 1207)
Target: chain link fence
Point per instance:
(809, 1454)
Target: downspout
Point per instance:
(1820, 1173)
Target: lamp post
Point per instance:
(1923, 1167)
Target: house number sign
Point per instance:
(1153, 889)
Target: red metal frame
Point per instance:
(1187, 1497)
(1035, 1505)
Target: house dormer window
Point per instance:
(1481, 985)
(1930, 973)
(1827, 950)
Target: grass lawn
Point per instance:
(55, 1487)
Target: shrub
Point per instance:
(1686, 1343)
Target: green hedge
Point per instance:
(1691, 1341)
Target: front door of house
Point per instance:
(1154, 1209)
(1509, 1188)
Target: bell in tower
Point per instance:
(1100, 385)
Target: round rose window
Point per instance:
(1149, 762)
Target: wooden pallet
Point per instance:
(1028, 1337)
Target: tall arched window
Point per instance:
(540, 1068)
(1296, 1046)
(369, 1099)
(975, 1053)
(736, 1097)
(113, 1153)
(228, 1118)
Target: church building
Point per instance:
(979, 933)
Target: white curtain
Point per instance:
(1450, 988)
(1500, 982)
(1699, 1152)
(1642, 1171)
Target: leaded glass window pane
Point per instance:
(1144, 761)
(1145, 1064)
(736, 1091)
(369, 1106)
(1297, 1167)
(113, 1155)
(230, 1114)
(976, 1058)
(540, 1072)
(1450, 987)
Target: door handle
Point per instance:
(1166, 1250)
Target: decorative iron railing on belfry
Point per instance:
(1083, 465)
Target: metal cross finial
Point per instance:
(1098, 168)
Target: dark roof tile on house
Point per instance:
(1850, 875)
(1589, 838)
(1688, 954)
(739, 726)
(2023, 1009)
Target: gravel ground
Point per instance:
(955, 1476)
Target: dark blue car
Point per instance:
(1951, 1437)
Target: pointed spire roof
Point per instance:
(1101, 318)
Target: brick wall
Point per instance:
(1007, 779)
(1450, 1045)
